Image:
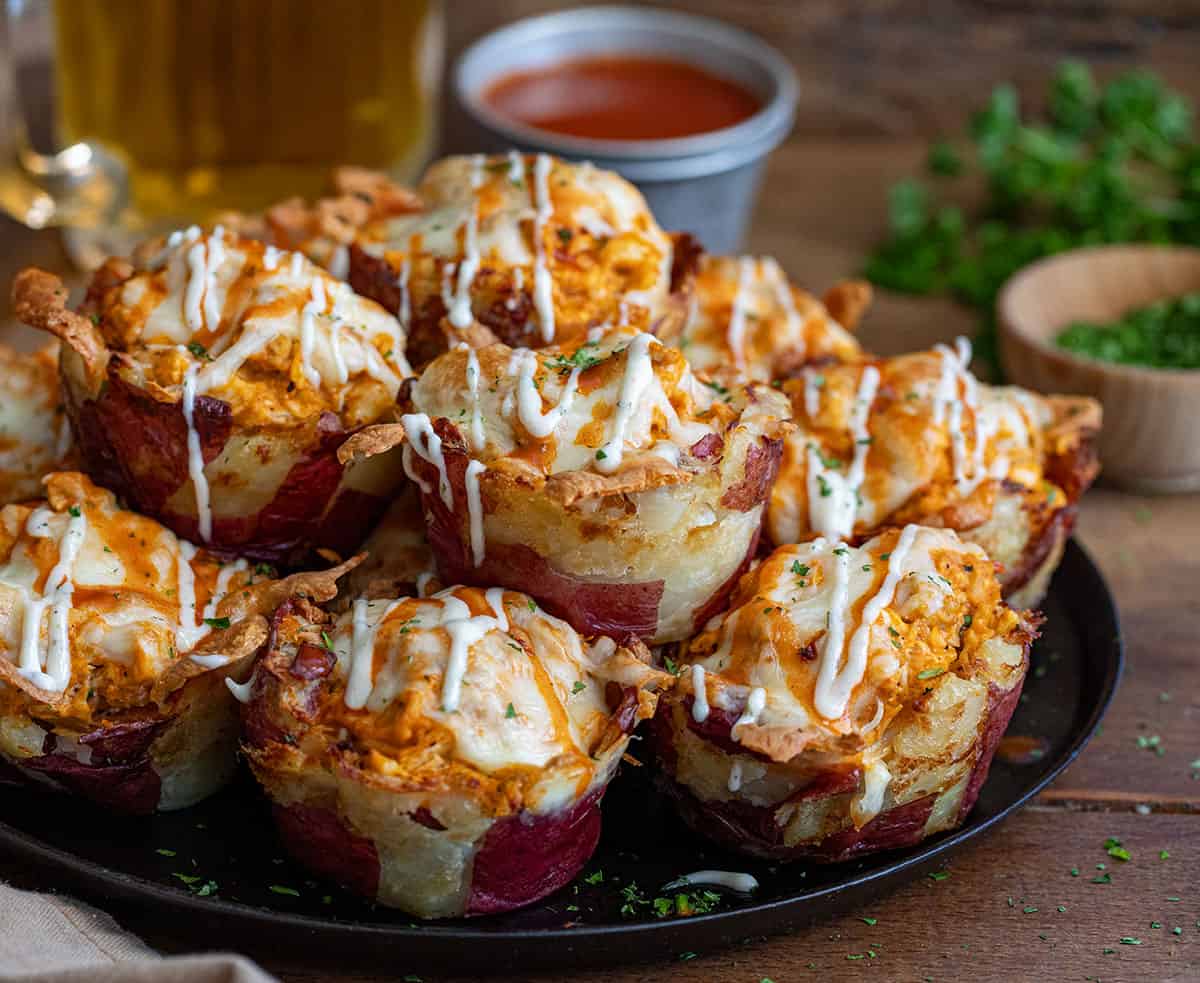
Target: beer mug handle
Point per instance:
(80, 185)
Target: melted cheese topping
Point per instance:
(597, 406)
(748, 322)
(97, 603)
(34, 432)
(825, 643)
(280, 341)
(482, 677)
(898, 440)
(573, 239)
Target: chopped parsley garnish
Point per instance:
(595, 877)
(74, 510)
(280, 889)
(967, 620)
(509, 712)
(671, 665)
(841, 551)
(930, 673)
(717, 388)
(579, 686)
(939, 875)
(565, 235)
(800, 569)
(1105, 164)
(870, 921)
(826, 491)
(198, 350)
(581, 358)
(326, 640)
(164, 852)
(1112, 846)
(600, 455)
(264, 570)
(218, 623)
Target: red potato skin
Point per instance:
(616, 609)
(318, 839)
(753, 830)
(522, 858)
(526, 857)
(137, 446)
(120, 776)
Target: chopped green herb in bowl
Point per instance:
(1163, 335)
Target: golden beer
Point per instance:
(234, 104)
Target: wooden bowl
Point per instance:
(1151, 436)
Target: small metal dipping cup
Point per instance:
(704, 184)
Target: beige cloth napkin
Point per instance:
(47, 938)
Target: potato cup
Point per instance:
(444, 755)
(745, 321)
(603, 479)
(35, 435)
(212, 388)
(916, 438)
(850, 700)
(526, 250)
(116, 643)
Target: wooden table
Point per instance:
(1010, 909)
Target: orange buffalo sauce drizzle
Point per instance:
(634, 97)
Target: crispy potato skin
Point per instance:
(136, 445)
(418, 842)
(153, 759)
(535, 544)
(811, 819)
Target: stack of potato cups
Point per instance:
(427, 499)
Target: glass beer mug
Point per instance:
(165, 112)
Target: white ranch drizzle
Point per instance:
(736, 333)
(543, 297)
(339, 262)
(296, 266)
(699, 695)
(475, 510)
(783, 296)
(189, 631)
(404, 311)
(639, 375)
(196, 454)
(270, 258)
(459, 311)
(464, 631)
(423, 581)
(833, 497)
(199, 300)
(529, 400)
(831, 651)
(516, 167)
(341, 373)
(733, 880)
(221, 588)
(735, 776)
(812, 393)
(242, 692)
(308, 323)
(359, 681)
(476, 430)
(835, 682)
(869, 801)
(756, 702)
(427, 445)
(57, 594)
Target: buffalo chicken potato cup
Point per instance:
(603, 479)
(35, 435)
(850, 700)
(212, 388)
(116, 642)
(527, 250)
(445, 755)
(917, 438)
(745, 321)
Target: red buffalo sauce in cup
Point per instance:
(632, 97)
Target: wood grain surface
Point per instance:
(878, 78)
